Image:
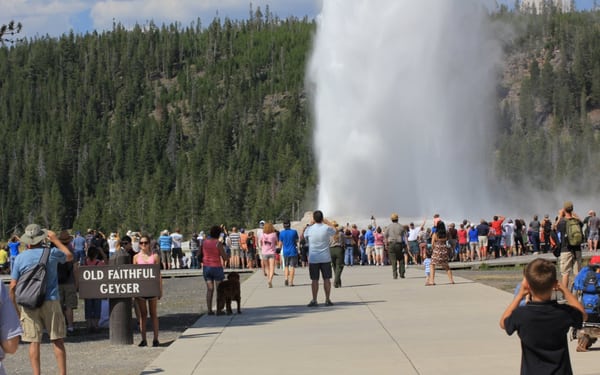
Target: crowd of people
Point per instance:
(323, 245)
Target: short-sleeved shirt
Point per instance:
(542, 328)
(318, 236)
(164, 242)
(289, 239)
(176, 238)
(9, 324)
(79, 243)
(14, 248)
(30, 258)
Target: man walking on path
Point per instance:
(394, 236)
(319, 257)
(49, 316)
(288, 242)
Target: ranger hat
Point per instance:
(34, 234)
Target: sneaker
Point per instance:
(328, 303)
(143, 343)
(312, 304)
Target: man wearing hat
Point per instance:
(570, 256)
(394, 237)
(49, 316)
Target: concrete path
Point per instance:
(377, 326)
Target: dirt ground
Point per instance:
(182, 304)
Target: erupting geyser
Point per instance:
(403, 95)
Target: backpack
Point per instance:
(574, 233)
(587, 282)
(30, 291)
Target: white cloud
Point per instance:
(55, 17)
(130, 12)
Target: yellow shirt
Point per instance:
(3, 256)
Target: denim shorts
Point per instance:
(213, 273)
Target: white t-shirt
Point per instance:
(318, 236)
(176, 240)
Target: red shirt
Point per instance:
(462, 237)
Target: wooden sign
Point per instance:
(119, 281)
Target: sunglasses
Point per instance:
(143, 243)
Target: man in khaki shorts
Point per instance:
(570, 256)
(49, 316)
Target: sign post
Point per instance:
(120, 283)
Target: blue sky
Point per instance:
(55, 17)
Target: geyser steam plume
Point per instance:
(403, 95)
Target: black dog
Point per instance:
(228, 291)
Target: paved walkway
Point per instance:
(378, 325)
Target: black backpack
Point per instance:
(30, 291)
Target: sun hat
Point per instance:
(394, 216)
(34, 234)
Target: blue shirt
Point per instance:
(473, 235)
(318, 236)
(14, 248)
(30, 258)
(289, 239)
(79, 243)
(10, 326)
(370, 238)
(164, 242)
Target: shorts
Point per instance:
(570, 262)
(379, 250)
(79, 257)
(323, 268)
(235, 251)
(165, 256)
(267, 256)
(482, 241)
(213, 273)
(593, 236)
(177, 253)
(413, 246)
(49, 317)
(291, 261)
(369, 250)
(68, 295)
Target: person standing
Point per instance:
(49, 315)
(394, 235)
(440, 252)
(67, 287)
(534, 234)
(13, 248)
(319, 256)
(177, 252)
(234, 240)
(213, 257)
(593, 225)
(336, 249)
(10, 326)
(147, 304)
(79, 247)
(288, 242)
(164, 243)
(570, 255)
(413, 243)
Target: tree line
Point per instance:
(188, 126)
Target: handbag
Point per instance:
(30, 291)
